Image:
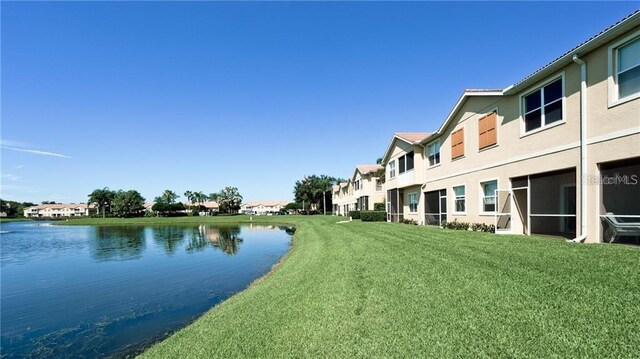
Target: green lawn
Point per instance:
(390, 290)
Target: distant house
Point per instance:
(58, 210)
(263, 207)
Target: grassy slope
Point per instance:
(388, 290)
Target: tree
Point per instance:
(229, 200)
(103, 198)
(127, 204)
(293, 206)
(213, 197)
(189, 196)
(313, 190)
(199, 197)
(168, 196)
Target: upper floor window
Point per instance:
(433, 152)
(378, 185)
(487, 130)
(457, 143)
(392, 169)
(628, 69)
(405, 163)
(543, 106)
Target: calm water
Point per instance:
(112, 291)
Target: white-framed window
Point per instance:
(378, 185)
(544, 105)
(405, 163)
(459, 199)
(489, 196)
(624, 69)
(413, 202)
(392, 169)
(433, 153)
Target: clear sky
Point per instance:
(201, 95)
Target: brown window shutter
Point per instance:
(487, 130)
(482, 132)
(457, 143)
(492, 133)
(461, 142)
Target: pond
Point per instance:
(87, 291)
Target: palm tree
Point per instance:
(199, 197)
(169, 196)
(103, 198)
(189, 196)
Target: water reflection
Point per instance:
(227, 239)
(129, 242)
(118, 243)
(169, 237)
(74, 292)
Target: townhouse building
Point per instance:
(405, 174)
(367, 189)
(342, 198)
(556, 153)
(360, 192)
(262, 207)
(58, 210)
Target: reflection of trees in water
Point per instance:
(168, 237)
(116, 243)
(289, 230)
(227, 239)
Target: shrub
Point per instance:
(354, 214)
(462, 226)
(378, 207)
(373, 216)
(476, 227)
(409, 221)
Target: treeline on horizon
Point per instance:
(119, 203)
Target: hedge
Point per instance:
(378, 207)
(373, 216)
(354, 214)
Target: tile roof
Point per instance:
(364, 169)
(62, 206)
(413, 136)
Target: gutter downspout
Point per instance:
(583, 149)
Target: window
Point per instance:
(489, 196)
(433, 152)
(628, 69)
(392, 169)
(378, 185)
(487, 130)
(459, 193)
(357, 185)
(457, 143)
(413, 202)
(406, 162)
(543, 106)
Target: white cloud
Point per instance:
(36, 152)
(10, 177)
(19, 167)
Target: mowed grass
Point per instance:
(389, 290)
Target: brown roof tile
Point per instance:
(413, 136)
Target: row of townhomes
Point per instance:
(58, 210)
(361, 191)
(557, 153)
(263, 208)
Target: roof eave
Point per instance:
(583, 49)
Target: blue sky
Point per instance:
(201, 95)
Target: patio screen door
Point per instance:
(503, 211)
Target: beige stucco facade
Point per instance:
(360, 192)
(539, 171)
(58, 210)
